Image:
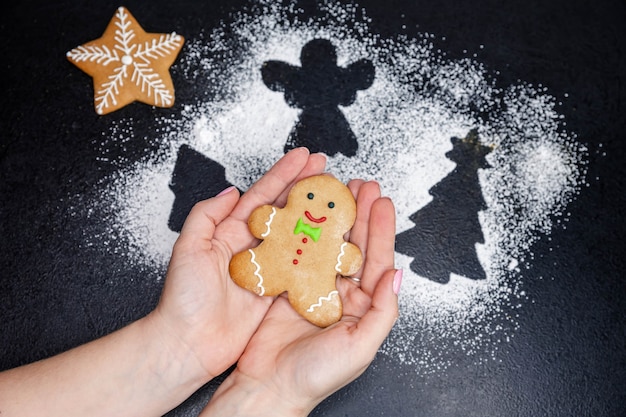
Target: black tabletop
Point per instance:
(497, 129)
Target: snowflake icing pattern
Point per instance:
(127, 64)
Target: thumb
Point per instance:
(376, 324)
(207, 214)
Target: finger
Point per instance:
(271, 185)
(376, 324)
(355, 302)
(354, 186)
(380, 243)
(368, 193)
(205, 215)
(315, 165)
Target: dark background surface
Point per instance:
(568, 357)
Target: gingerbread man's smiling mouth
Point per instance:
(313, 219)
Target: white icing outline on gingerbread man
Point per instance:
(321, 300)
(269, 222)
(257, 272)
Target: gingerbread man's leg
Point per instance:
(322, 309)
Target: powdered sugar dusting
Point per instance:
(403, 124)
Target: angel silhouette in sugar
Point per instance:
(319, 87)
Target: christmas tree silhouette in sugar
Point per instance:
(319, 87)
(195, 178)
(447, 229)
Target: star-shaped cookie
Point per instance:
(127, 64)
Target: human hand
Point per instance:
(199, 328)
(202, 311)
(291, 365)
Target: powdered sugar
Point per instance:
(403, 123)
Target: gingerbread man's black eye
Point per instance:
(331, 204)
(310, 196)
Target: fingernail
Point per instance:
(323, 155)
(301, 149)
(226, 191)
(397, 281)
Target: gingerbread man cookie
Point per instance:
(303, 249)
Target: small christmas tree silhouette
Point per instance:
(447, 229)
(195, 178)
(318, 87)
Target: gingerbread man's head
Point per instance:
(322, 201)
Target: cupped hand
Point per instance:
(297, 364)
(201, 310)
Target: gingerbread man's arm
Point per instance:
(349, 259)
(260, 221)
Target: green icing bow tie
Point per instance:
(312, 232)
